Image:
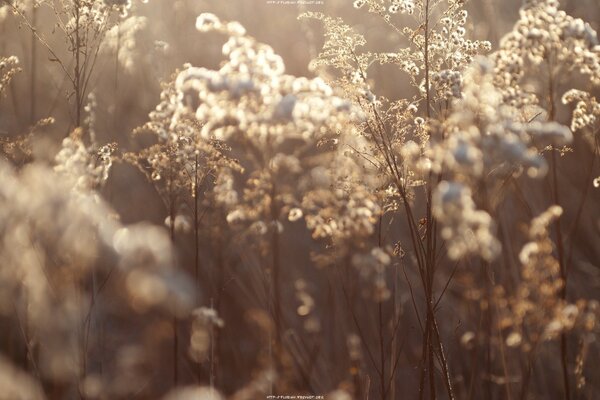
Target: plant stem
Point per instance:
(33, 72)
(77, 70)
(558, 228)
(172, 236)
(275, 266)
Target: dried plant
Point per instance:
(414, 219)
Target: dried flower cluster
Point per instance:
(536, 312)
(483, 140)
(8, 68)
(548, 38)
(122, 40)
(280, 121)
(406, 222)
(52, 242)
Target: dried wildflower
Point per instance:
(86, 167)
(359, 3)
(396, 135)
(295, 214)
(52, 238)
(535, 311)
(514, 339)
(339, 209)
(587, 109)
(204, 322)
(122, 40)
(354, 347)
(466, 229)
(4, 12)
(251, 102)
(83, 25)
(545, 35)
(8, 68)
(182, 161)
(402, 6)
(207, 22)
(483, 139)
(551, 133)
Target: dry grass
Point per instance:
(416, 218)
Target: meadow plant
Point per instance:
(463, 138)
(9, 66)
(407, 222)
(84, 25)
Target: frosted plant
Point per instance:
(282, 128)
(9, 66)
(535, 311)
(453, 147)
(586, 117)
(465, 229)
(397, 132)
(182, 161)
(546, 50)
(402, 6)
(204, 322)
(587, 109)
(84, 25)
(18, 150)
(85, 167)
(448, 49)
(307, 306)
(123, 40)
(482, 135)
(4, 12)
(545, 37)
(54, 241)
(278, 118)
(483, 139)
(183, 166)
(342, 209)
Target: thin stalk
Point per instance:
(197, 255)
(33, 71)
(383, 386)
(382, 353)
(212, 352)
(431, 331)
(174, 322)
(396, 313)
(77, 68)
(488, 332)
(586, 189)
(196, 226)
(116, 87)
(275, 266)
(558, 228)
(356, 323)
